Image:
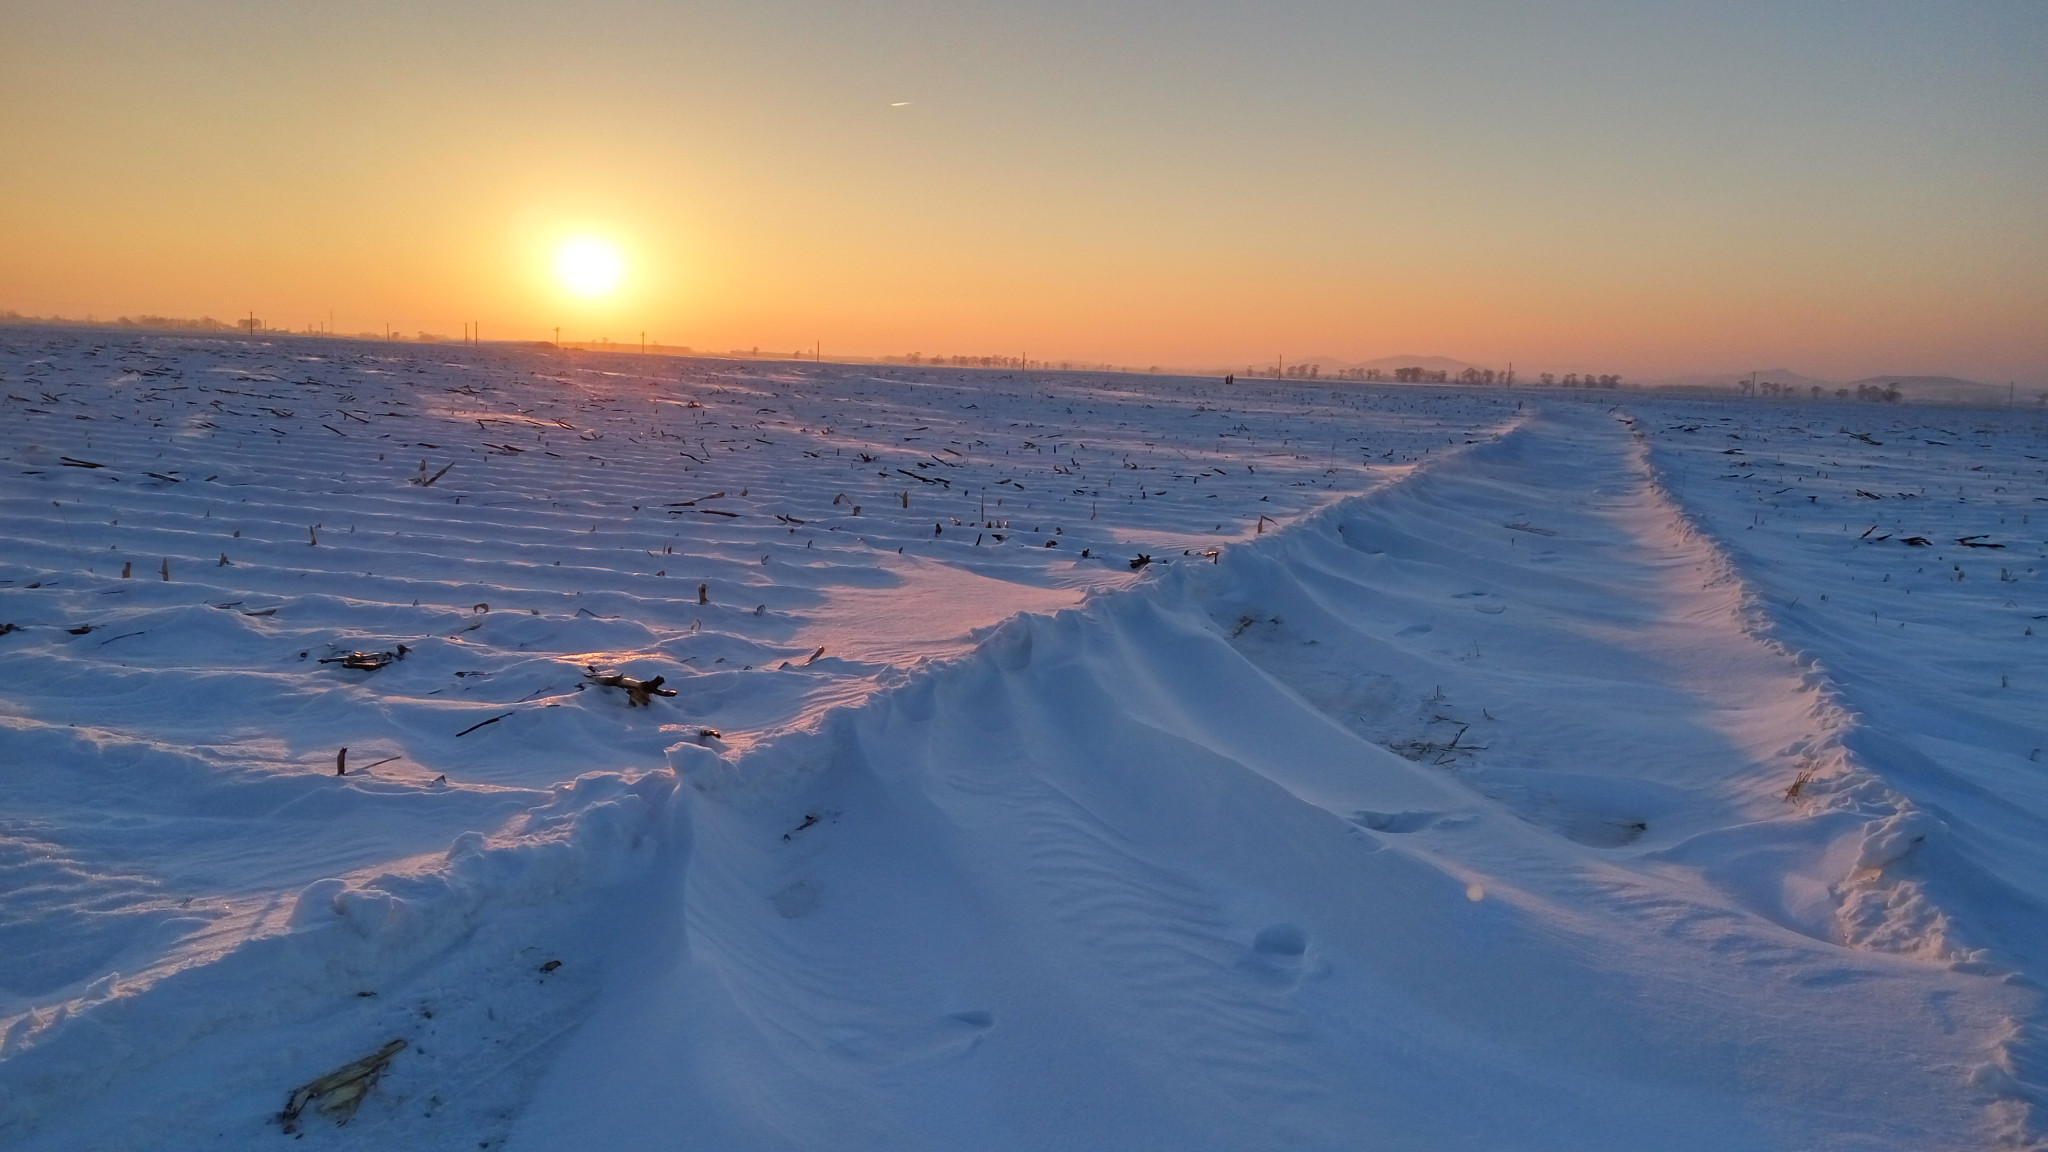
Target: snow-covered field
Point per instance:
(1465, 770)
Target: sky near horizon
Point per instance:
(1652, 189)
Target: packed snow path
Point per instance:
(1481, 807)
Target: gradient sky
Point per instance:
(1653, 189)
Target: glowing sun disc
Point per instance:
(588, 267)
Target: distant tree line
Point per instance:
(1413, 375)
(1297, 372)
(161, 323)
(251, 325)
(1574, 380)
(1873, 393)
(1007, 362)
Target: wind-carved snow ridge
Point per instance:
(787, 762)
(1878, 906)
(1903, 879)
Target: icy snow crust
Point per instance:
(1521, 791)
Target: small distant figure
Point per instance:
(1228, 380)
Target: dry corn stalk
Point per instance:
(341, 1091)
(638, 692)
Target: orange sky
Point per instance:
(1583, 187)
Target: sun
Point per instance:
(589, 267)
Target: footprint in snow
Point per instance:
(899, 1043)
(1485, 602)
(1279, 955)
(1281, 940)
(797, 900)
(1393, 821)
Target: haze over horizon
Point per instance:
(1572, 187)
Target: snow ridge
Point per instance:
(1883, 865)
(1879, 907)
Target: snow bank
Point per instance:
(336, 940)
